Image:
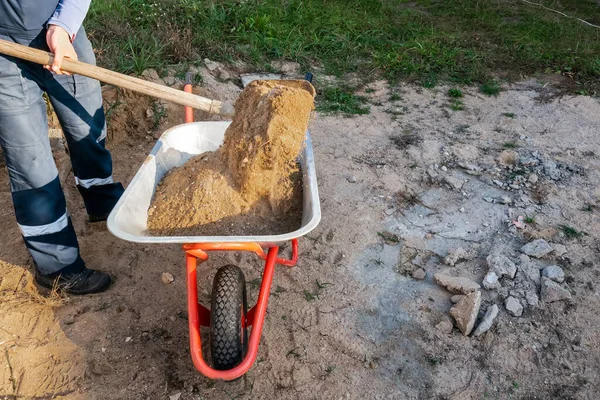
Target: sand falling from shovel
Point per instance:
(252, 184)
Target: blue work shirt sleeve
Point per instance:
(69, 15)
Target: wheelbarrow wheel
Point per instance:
(228, 335)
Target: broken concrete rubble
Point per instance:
(465, 312)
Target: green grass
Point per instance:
(341, 100)
(455, 93)
(457, 105)
(490, 88)
(570, 232)
(509, 115)
(425, 41)
(510, 145)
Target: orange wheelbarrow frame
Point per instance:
(198, 315)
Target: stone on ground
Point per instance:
(529, 269)
(487, 321)
(538, 248)
(554, 272)
(559, 249)
(490, 281)
(513, 306)
(465, 312)
(501, 265)
(552, 291)
(456, 298)
(419, 274)
(457, 255)
(445, 326)
(456, 285)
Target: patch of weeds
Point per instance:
(457, 105)
(460, 129)
(320, 285)
(530, 220)
(329, 369)
(509, 115)
(370, 90)
(341, 100)
(407, 139)
(433, 361)
(413, 166)
(407, 199)
(570, 232)
(515, 384)
(588, 208)
(280, 289)
(490, 88)
(309, 296)
(395, 97)
(283, 317)
(158, 112)
(389, 238)
(510, 145)
(455, 93)
(378, 262)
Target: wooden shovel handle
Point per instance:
(117, 79)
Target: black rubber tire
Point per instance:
(228, 338)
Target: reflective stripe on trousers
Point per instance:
(38, 199)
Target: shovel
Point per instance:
(224, 109)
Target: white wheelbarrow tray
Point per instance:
(128, 220)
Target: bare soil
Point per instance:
(251, 185)
(348, 321)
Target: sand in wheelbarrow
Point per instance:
(252, 184)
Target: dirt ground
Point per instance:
(349, 321)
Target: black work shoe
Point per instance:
(98, 218)
(84, 282)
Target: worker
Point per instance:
(40, 207)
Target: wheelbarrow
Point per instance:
(233, 351)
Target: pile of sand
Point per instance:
(252, 184)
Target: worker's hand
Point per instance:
(59, 43)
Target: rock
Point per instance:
(501, 265)
(462, 209)
(455, 183)
(529, 269)
(513, 306)
(528, 161)
(167, 277)
(419, 274)
(554, 272)
(456, 298)
(532, 298)
(538, 248)
(128, 339)
(150, 75)
(444, 326)
(454, 256)
(487, 321)
(533, 179)
(488, 199)
(351, 179)
(247, 78)
(490, 281)
(175, 396)
(465, 312)
(212, 66)
(505, 200)
(444, 168)
(559, 249)
(552, 291)
(169, 80)
(498, 183)
(551, 169)
(428, 236)
(456, 285)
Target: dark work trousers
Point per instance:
(38, 199)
